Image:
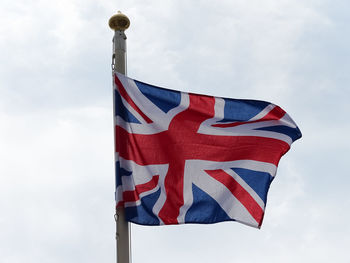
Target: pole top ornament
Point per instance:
(119, 22)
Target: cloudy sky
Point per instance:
(56, 135)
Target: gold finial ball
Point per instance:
(119, 22)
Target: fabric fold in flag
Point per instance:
(190, 158)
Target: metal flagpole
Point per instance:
(119, 23)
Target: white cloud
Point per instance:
(57, 185)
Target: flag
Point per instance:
(189, 158)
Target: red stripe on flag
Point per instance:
(126, 96)
(275, 114)
(239, 192)
(133, 196)
(174, 191)
(176, 143)
(157, 148)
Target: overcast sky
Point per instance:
(56, 131)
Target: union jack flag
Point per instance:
(189, 158)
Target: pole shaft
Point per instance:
(119, 50)
(123, 227)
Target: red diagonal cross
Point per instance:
(181, 142)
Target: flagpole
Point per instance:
(119, 23)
